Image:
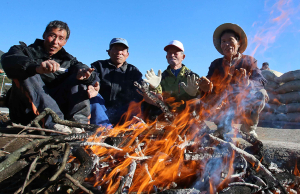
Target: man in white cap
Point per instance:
(177, 80)
(116, 83)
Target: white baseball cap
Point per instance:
(176, 43)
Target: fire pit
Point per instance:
(175, 154)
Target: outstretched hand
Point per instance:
(241, 77)
(152, 79)
(84, 74)
(93, 90)
(191, 88)
(205, 84)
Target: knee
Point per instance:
(261, 94)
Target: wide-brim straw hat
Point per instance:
(234, 27)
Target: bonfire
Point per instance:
(175, 153)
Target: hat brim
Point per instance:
(172, 45)
(118, 43)
(234, 27)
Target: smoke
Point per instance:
(280, 16)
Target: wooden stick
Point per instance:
(38, 129)
(63, 164)
(100, 144)
(76, 182)
(32, 167)
(250, 158)
(144, 88)
(23, 136)
(33, 177)
(243, 184)
(56, 119)
(129, 177)
(11, 158)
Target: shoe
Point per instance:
(253, 133)
(62, 128)
(77, 130)
(247, 129)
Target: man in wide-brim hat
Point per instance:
(235, 81)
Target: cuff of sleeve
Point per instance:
(31, 69)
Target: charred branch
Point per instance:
(144, 88)
(33, 177)
(56, 119)
(77, 183)
(63, 164)
(84, 169)
(255, 162)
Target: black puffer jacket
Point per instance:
(18, 64)
(116, 84)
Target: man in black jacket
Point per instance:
(116, 82)
(46, 76)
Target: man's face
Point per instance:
(175, 57)
(54, 40)
(118, 54)
(265, 67)
(229, 45)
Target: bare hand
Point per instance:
(205, 84)
(84, 74)
(49, 66)
(241, 77)
(93, 90)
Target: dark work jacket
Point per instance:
(220, 74)
(116, 84)
(18, 65)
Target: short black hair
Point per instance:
(58, 24)
(236, 35)
(265, 63)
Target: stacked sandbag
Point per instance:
(284, 94)
(270, 111)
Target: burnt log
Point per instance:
(84, 169)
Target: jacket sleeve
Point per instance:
(211, 69)
(76, 66)
(256, 78)
(17, 64)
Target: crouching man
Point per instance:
(46, 76)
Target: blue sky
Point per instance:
(148, 26)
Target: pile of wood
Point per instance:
(125, 161)
(178, 154)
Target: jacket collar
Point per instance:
(39, 46)
(123, 67)
(169, 67)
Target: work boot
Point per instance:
(66, 129)
(248, 129)
(250, 125)
(62, 128)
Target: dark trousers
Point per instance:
(31, 96)
(246, 112)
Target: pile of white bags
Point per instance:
(284, 94)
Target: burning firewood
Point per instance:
(141, 157)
